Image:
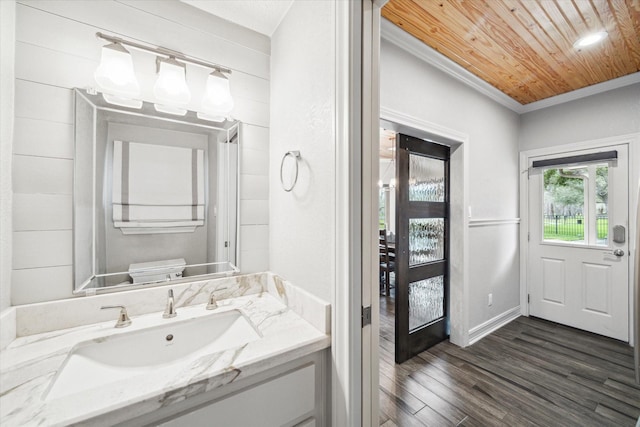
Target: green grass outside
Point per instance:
(569, 230)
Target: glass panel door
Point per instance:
(422, 279)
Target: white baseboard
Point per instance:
(484, 329)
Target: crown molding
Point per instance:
(407, 42)
(595, 89)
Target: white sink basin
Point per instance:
(94, 363)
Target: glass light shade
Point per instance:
(210, 117)
(170, 109)
(123, 102)
(217, 100)
(115, 74)
(171, 87)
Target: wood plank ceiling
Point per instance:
(525, 47)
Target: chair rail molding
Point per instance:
(485, 222)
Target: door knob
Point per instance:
(618, 252)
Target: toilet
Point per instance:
(157, 271)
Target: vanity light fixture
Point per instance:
(590, 39)
(116, 76)
(117, 81)
(171, 88)
(217, 102)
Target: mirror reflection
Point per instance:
(155, 196)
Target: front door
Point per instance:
(578, 240)
(422, 228)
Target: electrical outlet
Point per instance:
(490, 300)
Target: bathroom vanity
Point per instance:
(259, 358)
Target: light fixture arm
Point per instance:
(163, 51)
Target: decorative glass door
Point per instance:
(422, 229)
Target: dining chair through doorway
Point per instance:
(387, 262)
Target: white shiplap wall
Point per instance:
(56, 50)
(7, 89)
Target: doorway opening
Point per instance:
(391, 124)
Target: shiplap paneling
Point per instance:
(36, 137)
(42, 175)
(254, 212)
(123, 20)
(254, 237)
(195, 19)
(40, 58)
(44, 102)
(41, 284)
(254, 187)
(254, 162)
(32, 212)
(69, 69)
(255, 138)
(254, 260)
(34, 249)
(64, 71)
(56, 50)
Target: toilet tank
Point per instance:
(157, 271)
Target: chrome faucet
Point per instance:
(170, 310)
(123, 317)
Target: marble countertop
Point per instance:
(29, 363)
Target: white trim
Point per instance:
(346, 330)
(492, 325)
(406, 41)
(402, 122)
(595, 89)
(632, 141)
(485, 222)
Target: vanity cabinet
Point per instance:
(292, 394)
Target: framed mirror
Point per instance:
(155, 196)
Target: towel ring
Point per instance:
(296, 156)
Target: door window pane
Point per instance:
(426, 301)
(575, 207)
(426, 179)
(426, 240)
(602, 205)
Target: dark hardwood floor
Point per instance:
(529, 373)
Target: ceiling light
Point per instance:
(590, 39)
(217, 101)
(115, 74)
(171, 87)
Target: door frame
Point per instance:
(633, 143)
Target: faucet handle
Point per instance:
(213, 304)
(123, 317)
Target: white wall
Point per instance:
(302, 246)
(56, 50)
(7, 70)
(616, 112)
(412, 87)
